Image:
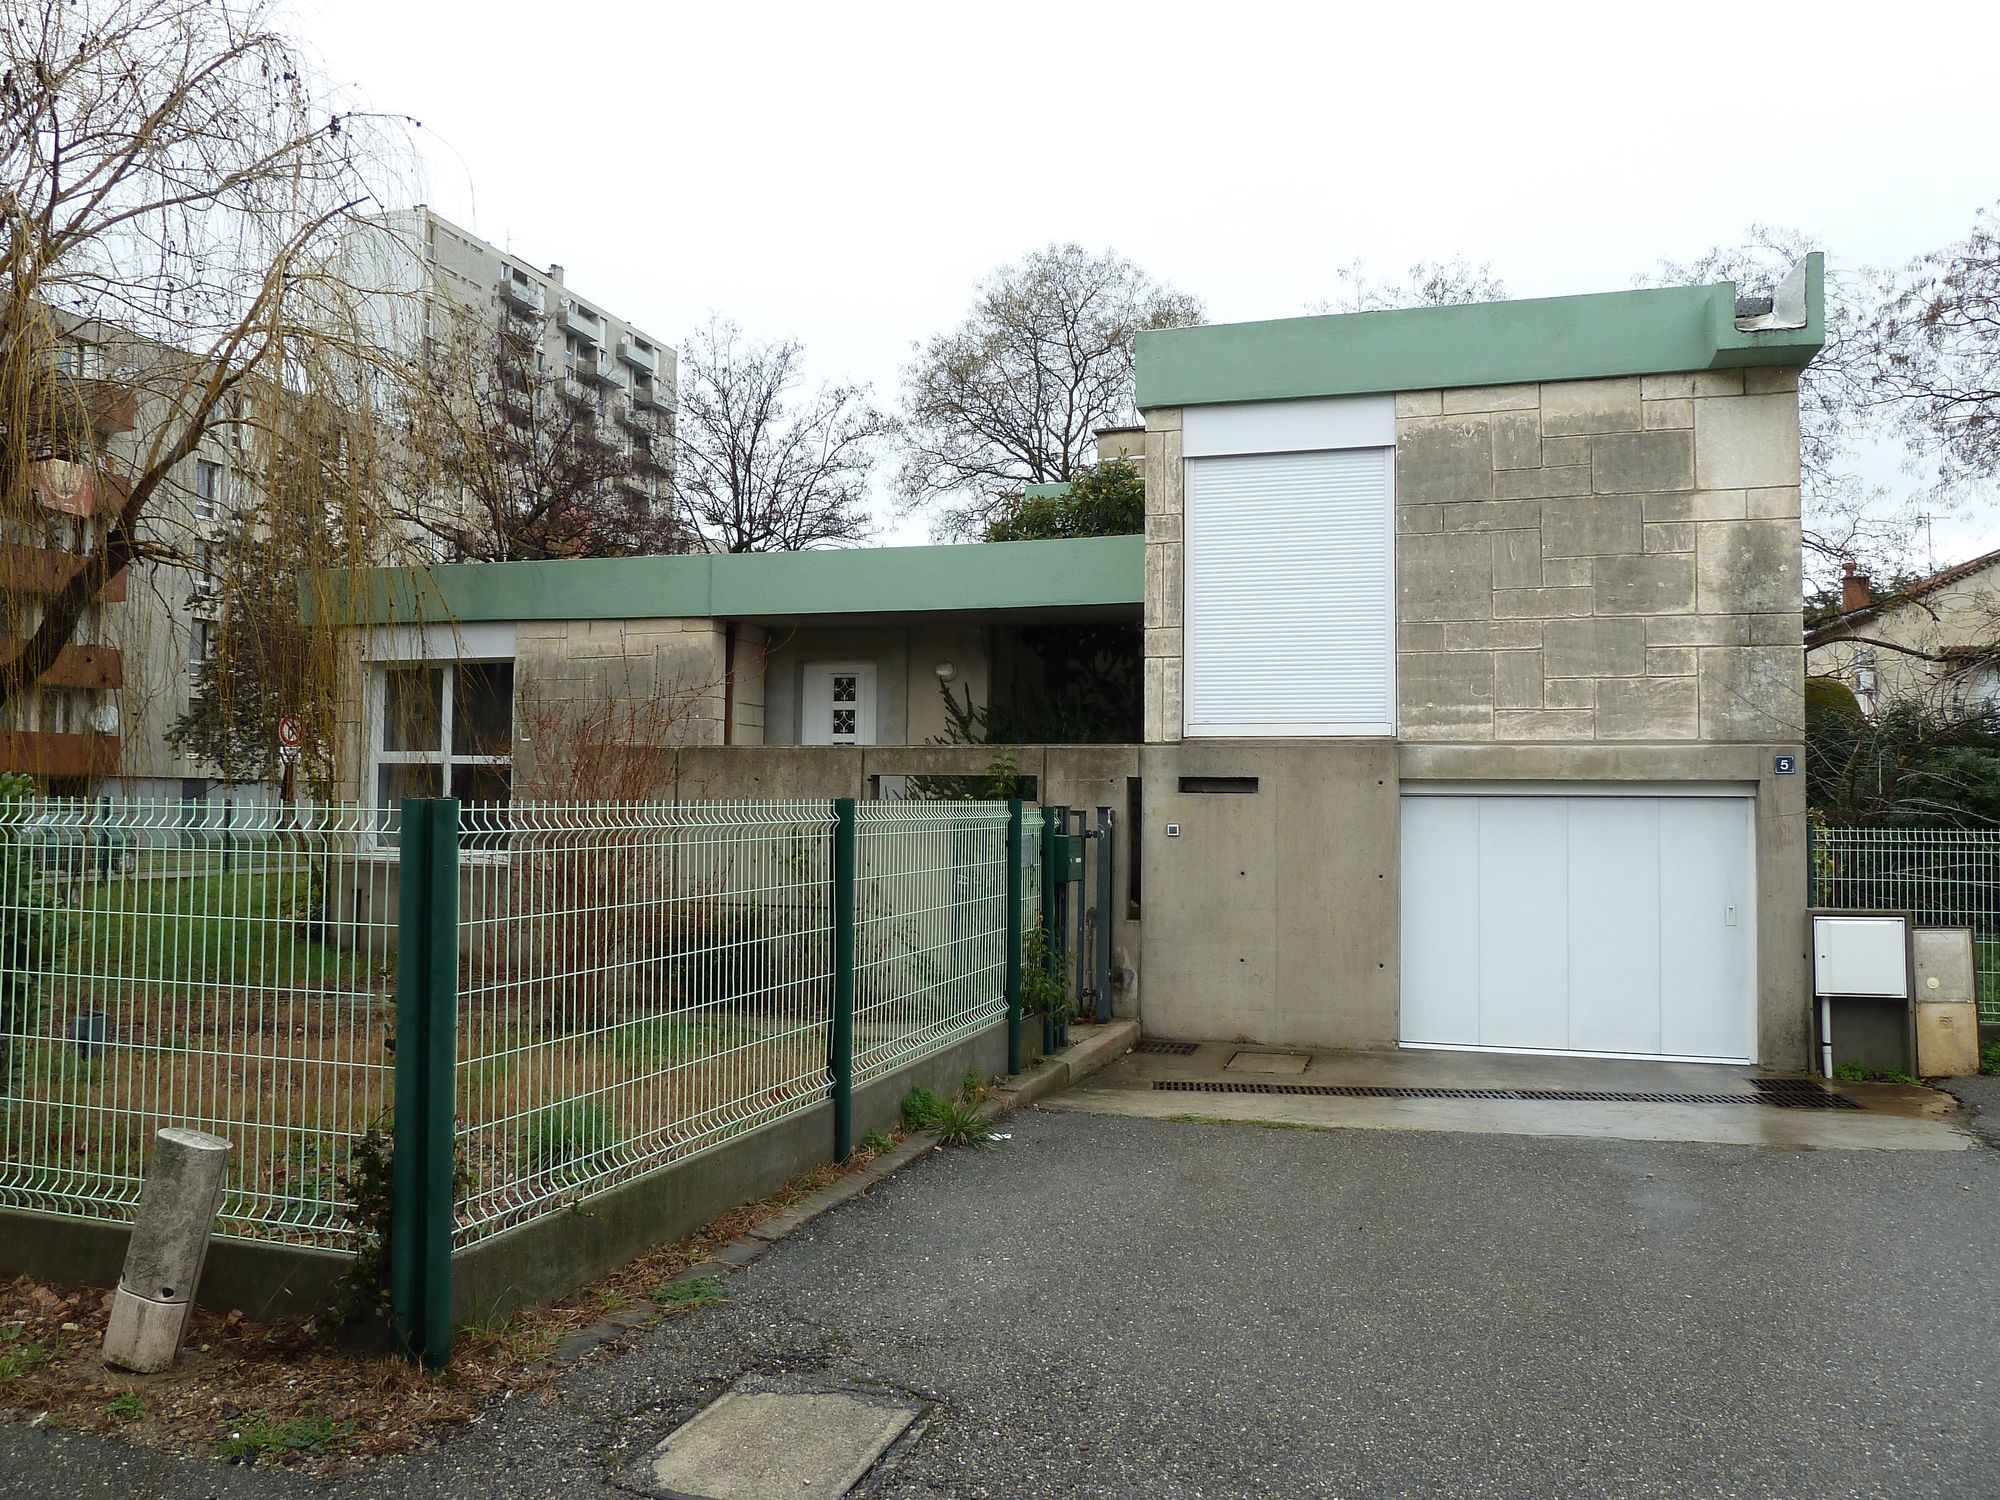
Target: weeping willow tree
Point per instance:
(173, 199)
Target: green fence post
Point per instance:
(408, 1189)
(841, 1043)
(1051, 944)
(440, 1090)
(422, 1189)
(1015, 848)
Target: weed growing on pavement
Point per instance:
(18, 1355)
(923, 1109)
(1989, 1058)
(962, 1124)
(1850, 1072)
(128, 1407)
(698, 1292)
(877, 1142)
(300, 1434)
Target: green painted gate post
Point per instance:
(1016, 847)
(1051, 945)
(424, 1180)
(840, 1046)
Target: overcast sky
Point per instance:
(846, 174)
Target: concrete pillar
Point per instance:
(177, 1208)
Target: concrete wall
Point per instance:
(1273, 913)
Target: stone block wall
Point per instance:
(1593, 560)
(1610, 560)
(1164, 575)
(657, 684)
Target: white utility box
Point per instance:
(1862, 956)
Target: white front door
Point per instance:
(839, 704)
(1614, 924)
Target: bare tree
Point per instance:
(1935, 352)
(764, 465)
(1846, 516)
(1431, 283)
(1015, 394)
(501, 460)
(171, 191)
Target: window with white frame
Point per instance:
(207, 489)
(201, 646)
(839, 704)
(443, 730)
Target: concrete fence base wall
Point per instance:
(539, 1261)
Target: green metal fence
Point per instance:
(544, 1000)
(1942, 877)
(163, 963)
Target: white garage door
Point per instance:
(1619, 925)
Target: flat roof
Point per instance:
(1099, 575)
(1655, 331)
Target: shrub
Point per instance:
(566, 1134)
(923, 1109)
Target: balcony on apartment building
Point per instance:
(43, 570)
(75, 666)
(80, 489)
(522, 296)
(578, 394)
(53, 756)
(639, 354)
(80, 407)
(646, 394)
(582, 322)
(594, 366)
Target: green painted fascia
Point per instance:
(1661, 330)
(982, 578)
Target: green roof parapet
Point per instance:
(1655, 331)
(985, 578)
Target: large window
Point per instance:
(444, 731)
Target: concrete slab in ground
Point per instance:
(1891, 1118)
(1268, 1062)
(764, 1444)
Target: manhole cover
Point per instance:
(1268, 1062)
(759, 1443)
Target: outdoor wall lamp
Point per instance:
(946, 671)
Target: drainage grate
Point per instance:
(1376, 1091)
(1800, 1093)
(1164, 1049)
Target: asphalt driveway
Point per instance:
(1105, 1306)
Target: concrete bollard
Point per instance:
(177, 1206)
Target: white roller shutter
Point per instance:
(1290, 610)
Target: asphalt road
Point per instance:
(1120, 1307)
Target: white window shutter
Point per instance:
(1290, 610)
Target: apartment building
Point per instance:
(447, 292)
(99, 722)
